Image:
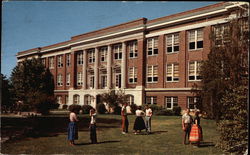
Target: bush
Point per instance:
(86, 109)
(24, 107)
(117, 110)
(177, 111)
(73, 107)
(65, 106)
(101, 108)
(164, 112)
(133, 108)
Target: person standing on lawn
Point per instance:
(196, 130)
(72, 127)
(148, 119)
(124, 119)
(92, 126)
(186, 125)
(139, 122)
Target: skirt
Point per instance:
(72, 131)
(139, 124)
(196, 133)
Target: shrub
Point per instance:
(164, 112)
(117, 110)
(25, 107)
(101, 108)
(73, 107)
(86, 109)
(65, 106)
(177, 111)
(133, 108)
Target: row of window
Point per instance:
(172, 101)
(195, 40)
(172, 75)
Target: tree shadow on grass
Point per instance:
(158, 132)
(109, 141)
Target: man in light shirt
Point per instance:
(148, 119)
(186, 125)
(124, 119)
(92, 126)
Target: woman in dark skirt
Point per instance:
(139, 122)
(72, 127)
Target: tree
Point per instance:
(33, 85)
(223, 89)
(113, 99)
(6, 96)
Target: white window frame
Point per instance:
(68, 79)
(79, 58)
(152, 98)
(59, 80)
(194, 102)
(195, 70)
(171, 102)
(172, 42)
(66, 99)
(152, 74)
(104, 54)
(59, 99)
(133, 76)
(103, 85)
(172, 72)
(117, 49)
(79, 79)
(51, 63)
(76, 99)
(59, 61)
(117, 80)
(195, 39)
(68, 60)
(133, 49)
(91, 81)
(91, 56)
(153, 46)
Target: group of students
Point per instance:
(191, 127)
(139, 123)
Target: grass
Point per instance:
(51, 137)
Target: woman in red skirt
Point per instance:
(196, 130)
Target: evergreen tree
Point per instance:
(6, 96)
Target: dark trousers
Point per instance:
(124, 124)
(92, 130)
(186, 132)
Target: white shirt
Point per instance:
(186, 118)
(93, 119)
(124, 110)
(73, 117)
(139, 113)
(149, 112)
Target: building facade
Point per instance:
(152, 61)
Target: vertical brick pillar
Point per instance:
(141, 63)
(96, 68)
(84, 69)
(161, 54)
(109, 70)
(73, 69)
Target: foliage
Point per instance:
(86, 109)
(164, 112)
(65, 106)
(117, 110)
(33, 85)
(6, 95)
(233, 126)
(101, 108)
(75, 108)
(177, 110)
(133, 108)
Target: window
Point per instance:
(68, 56)
(221, 35)
(173, 72)
(103, 81)
(192, 102)
(132, 48)
(195, 39)
(117, 52)
(44, 61)
(79, 58)
(91, 81)
(59, 61)
(59, 80)
(152, 73)
(76, 99)
(130, 99)
(194, 71)
(132, 75)
(59, 99)
(51, 62)
(151, 100)
(88, 99)
(118, 80)
(91, 55)
(68, 79)
(152, 46)
(79, 79)
(103, 52)
(66, 99)
(172, 43)
(171, 102)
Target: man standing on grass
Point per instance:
(148, 119)
(124, 119)
(186, 125)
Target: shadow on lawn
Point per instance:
(47, 126)
(206, 144)
(112, 141)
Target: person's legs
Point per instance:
(149, 125)
(126, 125)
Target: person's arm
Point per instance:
(75, 117)
(182, 122)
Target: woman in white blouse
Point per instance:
(139, 122)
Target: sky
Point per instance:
(31, 24)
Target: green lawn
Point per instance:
(165, 139)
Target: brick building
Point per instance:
(152, 61)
